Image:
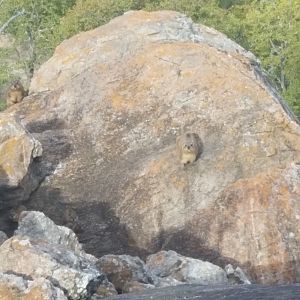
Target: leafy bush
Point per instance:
(89, 14)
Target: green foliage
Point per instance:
(2, 104)
(88, 14)
(33, 25)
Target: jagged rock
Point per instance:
(37, 226)
(18, 151)
(55, 256)
(125, 272)
(3, 237)
(105, 289)
(13, 287)
(171, 265)
(107, 108)
(236, 276)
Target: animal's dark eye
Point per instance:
(192, 145)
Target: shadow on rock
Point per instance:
(6, 224)
(187, 244)
(55, 142)
(96, 225)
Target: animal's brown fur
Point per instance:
(15, 93)
(189, 147)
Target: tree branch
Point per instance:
(6, 24)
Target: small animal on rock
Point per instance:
(16, 93)
(189, 147)
(14, 213)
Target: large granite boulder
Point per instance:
(107, 108)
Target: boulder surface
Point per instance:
(41, 250)
(107, 108)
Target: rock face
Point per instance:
(18, 149)
(41, 250)
(107, 108)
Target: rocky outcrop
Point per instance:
(236, 275)
(127, 273)
(107, 108)
(20, 172)
(18, 150)
(46, 261)
(37, 226)
(177, 269)
(13, 287)
(41, 250)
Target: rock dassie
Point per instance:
(189, 147)
(14, 213)
(16, 93)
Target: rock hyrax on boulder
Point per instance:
(14, 213)
(189, 147)
(15, 93)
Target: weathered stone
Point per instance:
(13, 287)
(124, 270)
(3, 237)
(18, 150)
(169, 264)
(56, 256)
(107, 108)
(105, 289)
(236, 276)
(37, 226)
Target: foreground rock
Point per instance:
(177, 269)
(127, 273)
(41, 250)
(18, 152)
(107, 108)
(47, 260)
(13, 287)
(236, 275)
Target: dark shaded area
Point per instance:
(6, 225)
(55, 142)
(233, 292)
(96, 225)
(41, 126)
(13, 196)
(186, 243)
(56, 147)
